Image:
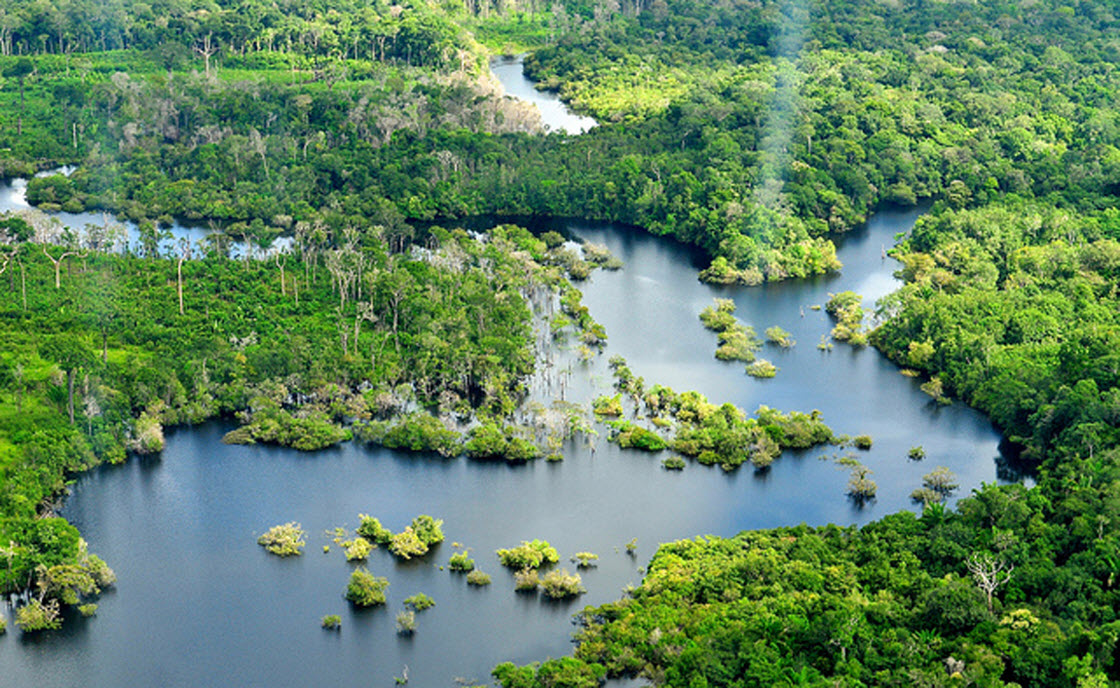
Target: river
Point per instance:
(199, 603)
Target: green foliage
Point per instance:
(565, 672)
(477, 578)
(528, 555)
(39, 616)
(526, 580)
(406, 622)
(585, 560)
(417, 431)
(461, 561)
(331, 622)
(286, 540)
(276, 426)
(778, 336)
(561, 584)
(492, 441)
(371, 529)
(357, 549)
(863, 442)
(407, 544)
(428, 530)
(737, 342)
(607, 406)
(629, 435)
(365, 590)
(673, 463)
(916, 453)
(846, 307)
(762, 369)
(419, 602)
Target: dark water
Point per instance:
(198, 603)
(554, 113)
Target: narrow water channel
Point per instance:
(199, 603)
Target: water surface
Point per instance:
(199, 603)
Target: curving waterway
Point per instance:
(199, 603)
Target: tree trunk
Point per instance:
(180, 271)
(70, 374)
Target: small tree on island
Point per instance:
(365, 590)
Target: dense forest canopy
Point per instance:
(754, 130)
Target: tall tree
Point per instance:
(72, 355)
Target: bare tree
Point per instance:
(184, 254)
(58, 263)
(207, 50)
(989, 573)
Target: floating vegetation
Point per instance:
(331, 622)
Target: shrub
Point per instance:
(428, 529)
(3, 624)
(331, 622)
(477, 577)
(585, 560)
(673, 463)
(461, 561)
(941, 480)
(87, 610)
(372, 530)
(364, 590)
(762, 369)
(284, 540)
(862, 441)
(38, 616)
(916, 453)
(528, 555)
(406, 544)
(607, 406)
(357, 549)
(418, 431)
(737, 343)
(860, 486)
(561, 584)
(526, 580)
(778, 336)
(630, 435)
(419, 602)
(406, 622)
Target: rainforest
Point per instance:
(307, 262)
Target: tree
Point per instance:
(989, 573)
(22, 68)
(71, 354)
(184, 254)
